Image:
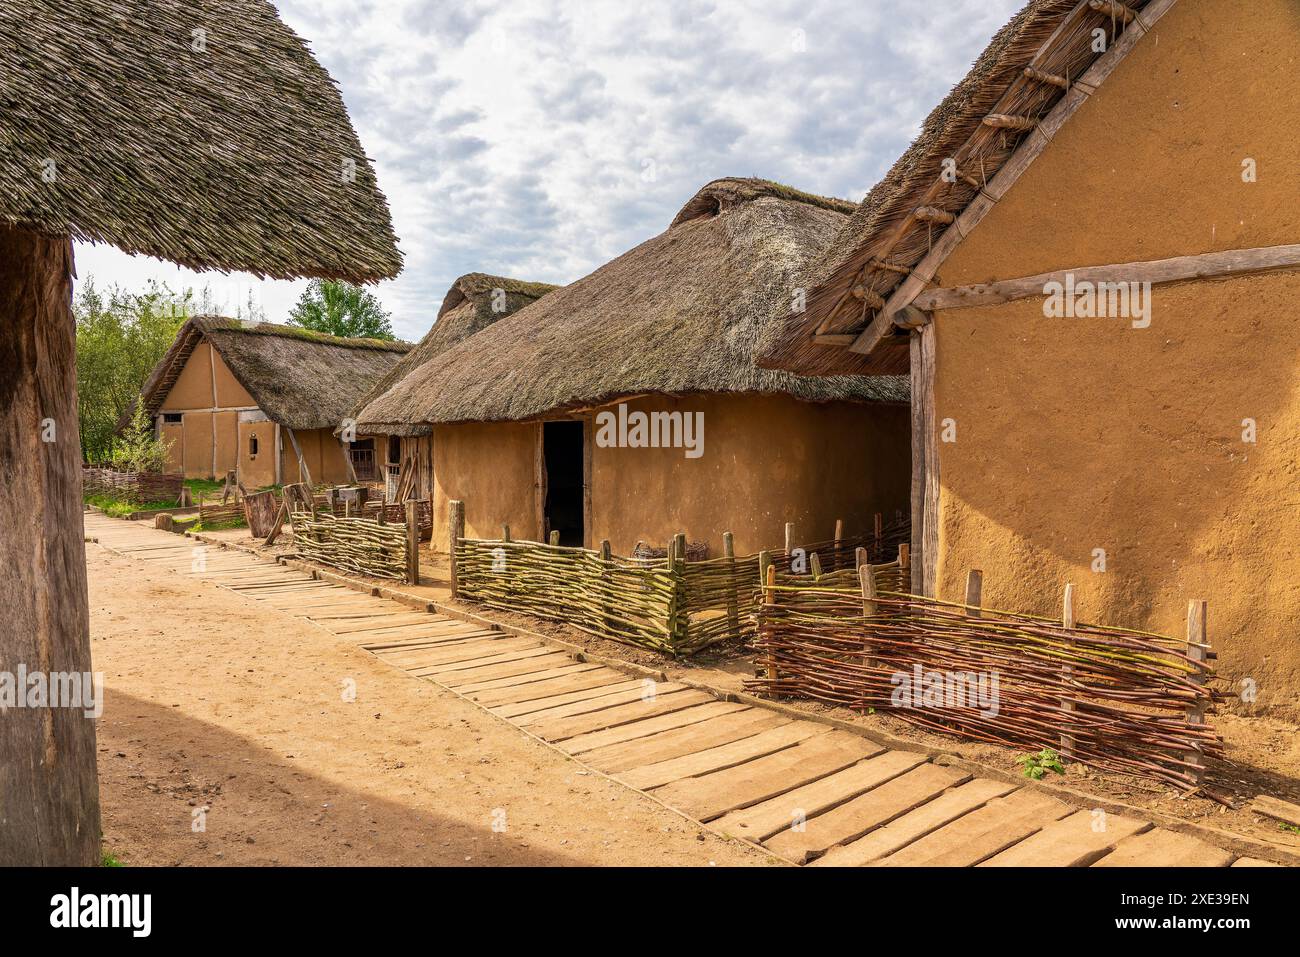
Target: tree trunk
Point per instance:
(49, 791)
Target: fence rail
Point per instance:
(1113, 698)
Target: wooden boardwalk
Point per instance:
(801, 790)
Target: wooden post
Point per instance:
(789, 544)
(867, 581)
(505, 533)
(412, 542)
(769, 598)
(815, 566)
(861, 558)
(925, 463)
(839, 538)
(304, 476)
(606, 556)
(554, 537)
(49, 792)
(455, 532)
(1067, 673)
(1198, 650)
(879, 529)
(347, 460)
(905, 563)
(679, 543)
(975, 591)
(733, 605)
(764, 562)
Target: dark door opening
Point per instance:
(562, 451)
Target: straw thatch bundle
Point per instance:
(200, 131)
(1062, 32)
(299, 378)
(683, 312)
(474, 302)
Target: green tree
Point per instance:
(341, 309)
(121, 336)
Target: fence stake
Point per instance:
(867, 579)
(554, 537)
(880, 537)
(769, 598)
(839, 537)
(860, 557)
(815, 566)
(905, 564)
(1197, 641)
(733, 607)
(764, 561)
(605, 558)
(1067, 672)
(412, 542)
(505, 533)
(975, 591)
(455, 532)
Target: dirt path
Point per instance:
(213, 702)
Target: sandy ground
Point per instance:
(215, 703)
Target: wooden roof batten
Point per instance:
(1048, 74)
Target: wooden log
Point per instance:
(975, 591)
(1051, 79)
(49, 793)
(931, 214)
(1000, 121)
(455, 532)
(281, 514)
(1197, 649)
(925, 464)
(1067, 673)
(1277, 809)
(1113, 8)
(413, 542)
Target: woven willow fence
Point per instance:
(355, 544)
(668, 604)
(137, 487)
(1113, 698)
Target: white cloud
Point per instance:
(541, 138)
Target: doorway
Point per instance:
(562, 454)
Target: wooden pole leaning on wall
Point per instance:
(455, 532)
(1198, 649)
(733, 607)
(1067, 672)
(413, 543)
(975, 591)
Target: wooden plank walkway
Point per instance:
(799, 789)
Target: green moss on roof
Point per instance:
(480, 282)
(213, 323)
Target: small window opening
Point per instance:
(173, 418)
(252, 446)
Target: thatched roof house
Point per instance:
(201, 132)
(1103, 340)
(684, 312)
(671, 328)
(233, 381)
(474, 302)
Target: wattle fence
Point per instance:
(137, 487)
(669, 604)
(1113, 698)
(355, 544)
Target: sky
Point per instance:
(539, 139)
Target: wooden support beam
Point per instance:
(1000, 121)
(887, 266)
(925, 465)
(1051, 79)
(347, 460)
(910, 317)
(932, 214)
(834, 339)
(1114, 9)
(873, 300)
(304, 476)
(1233, 262)
(1030, 148)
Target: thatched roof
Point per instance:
(683, 312)
(299, 378)
(474, 302)
(1055, 37)
(199, 131)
